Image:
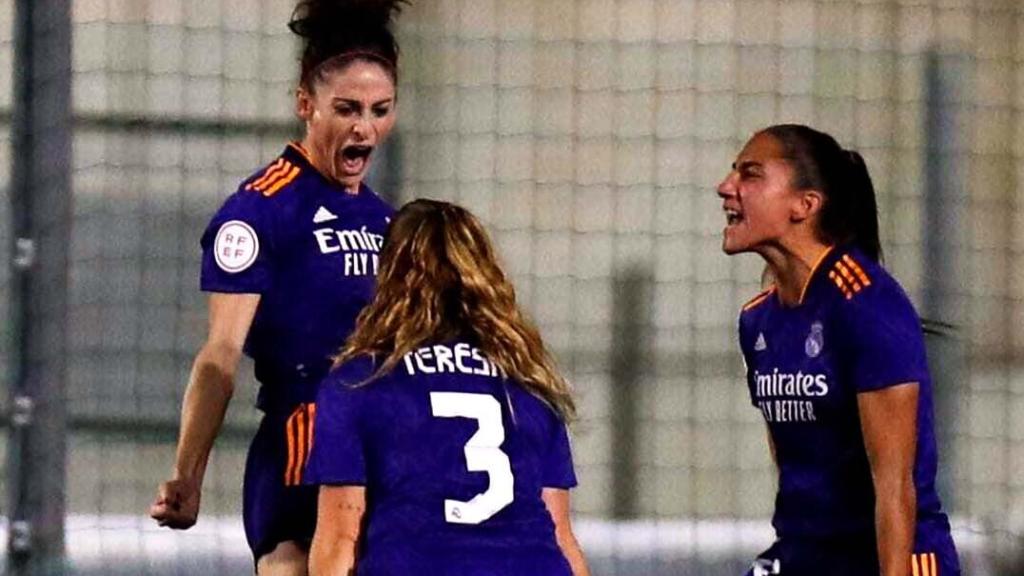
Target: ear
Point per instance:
(304, 104)
(807, 205)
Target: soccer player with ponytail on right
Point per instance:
(836, 364)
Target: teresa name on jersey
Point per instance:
(360, 248)
(440, 359)
(788, 397)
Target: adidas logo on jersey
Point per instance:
(323, 215)
(760, 344)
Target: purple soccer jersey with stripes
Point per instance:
(454, 458)
(854, 331)
(310, 250)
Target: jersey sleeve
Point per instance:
(557, 469)
(884, 343)
(337, 457)
(237, 246)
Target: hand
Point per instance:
(176, 505)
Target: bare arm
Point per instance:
(557, 502)
(888, 420)
(339, 520)
(209, 391)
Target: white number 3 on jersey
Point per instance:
(483, 454)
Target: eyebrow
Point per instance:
(745, 164)
(351, 102)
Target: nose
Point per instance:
(727, 187)
(362, 126)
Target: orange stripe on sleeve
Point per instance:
(282, 182)
(861, 275)
(841, 284)
(268, 174)
(915, 570)
(282, 172)
(934, 564)
(848, 276)
(837, 280)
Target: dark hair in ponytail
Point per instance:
(850, 213)
(338, 32)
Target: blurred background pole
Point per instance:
(40, 212)
(946, 208)
(630, 354)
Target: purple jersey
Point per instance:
(854, 331)
(453, 456)
(310, 250)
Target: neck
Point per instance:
(792, 267)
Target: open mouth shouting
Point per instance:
(732, 217)
(354, 159)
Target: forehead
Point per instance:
(762, 149)
(360, 78)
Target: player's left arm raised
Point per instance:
(888, 419)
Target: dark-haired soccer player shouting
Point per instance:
(836, 364)
(290, 260)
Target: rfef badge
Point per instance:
(236, 246)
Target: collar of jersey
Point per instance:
(815, 269)
(296, 153)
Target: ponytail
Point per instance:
(862, 220)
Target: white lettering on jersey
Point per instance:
(236, 246)
(787, 410)
(360, 247)
(782, 384)
(440, 359)
(361, 264)
(786, 397)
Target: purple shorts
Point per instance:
(934, 555)
(277, 507)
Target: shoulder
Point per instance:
(258, 195)
(863, 283)
(276, 177)
(756, 305)
(869, 297)
(353, 372)
(347, 383)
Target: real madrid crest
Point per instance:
(815, 340)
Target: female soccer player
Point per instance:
(836, 364)
(443, 421)
(290, 260)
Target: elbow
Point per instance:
(567, 542)
(330, 558)
(216, 365)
